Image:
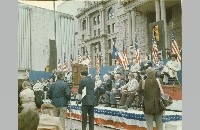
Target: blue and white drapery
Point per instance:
(132, 117)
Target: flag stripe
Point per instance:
(154, 50)
(175, 48)
(121, 58)
(97, 66)
(125, 58)
(137, 52)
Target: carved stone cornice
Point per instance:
(97, 6)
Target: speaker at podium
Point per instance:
(76, 69)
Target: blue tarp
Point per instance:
(105, 69)
(35, 75)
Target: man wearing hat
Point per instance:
(129, 91)
(86, 88)
(171, 68)
(59, 93)
(47, 120)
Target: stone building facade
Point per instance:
(36, 27)
(104, 23)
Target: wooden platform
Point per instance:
(175, 91)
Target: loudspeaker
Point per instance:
(53, 55)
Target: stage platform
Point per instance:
(126, 120)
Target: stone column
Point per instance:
(133, 19)
(88, 26)
(157, 7)
(129, 28)
(102, 21)
(163, 17)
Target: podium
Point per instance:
(76, 69)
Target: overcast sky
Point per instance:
(43, 4)
(70, 7)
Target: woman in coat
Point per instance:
(150, 88)
(27, 97)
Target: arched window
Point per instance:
(111, 13)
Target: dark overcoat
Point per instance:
(152, 94)
(89, 83)
(60, 93)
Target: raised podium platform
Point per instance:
(175, 91)
(126, 120)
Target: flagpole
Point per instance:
(54, 20)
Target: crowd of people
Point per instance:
(141, 83)
(138, 83)
(34, 112)
(124, 83)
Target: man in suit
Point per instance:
(60, 93)
(88, 101)
(105, 86)
(110, 95)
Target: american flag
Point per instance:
(88, 56)
(79, 58)
(137, 51)
(125, 58)
(59, 65)
(115, 53)
(121, 59)
(97, 66)
(71, 61)
(175, 49)
(65, 66)
(154, 50)
(89, 60)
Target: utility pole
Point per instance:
(54, 20)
